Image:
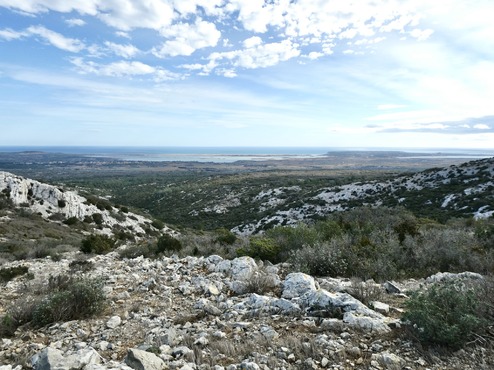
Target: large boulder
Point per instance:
(142, 360)
(54, 359)
(297, 284)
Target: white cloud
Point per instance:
(260, 56)
(126, 15)
(186, 38)
(56, 39)
(421, 35)
(123, 69)
(122, 34)
(9, 34)
(313, 55)
(252, 41)
(113, 69)
(42, 6)
(75, 22)
(481, 126)
(125, 51)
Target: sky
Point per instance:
(326, 73)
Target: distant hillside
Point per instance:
(465, 190)
(56, 204)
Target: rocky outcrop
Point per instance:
(48, 201)
(457, 184)
(172, 313)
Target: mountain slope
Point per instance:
(455, 191)
(56, 204)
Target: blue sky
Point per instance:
(392, 73)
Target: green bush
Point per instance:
(158, 224)
(225, 237)
(322, 259)
(99, 244)
(71, 299)
(291, 238)
(146, 250)
(8, 326)
(71, 221)
(262, 248)
(167, 243)
(97, 218)
(7, 274)
(445, 314)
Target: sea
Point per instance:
(233, 154)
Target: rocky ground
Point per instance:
(211, 313)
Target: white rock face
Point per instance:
(297, 284)
(49, 200)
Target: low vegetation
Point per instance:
(98, 244)
(450, 314)
(7, 274)
(379, 244)
(63, 298)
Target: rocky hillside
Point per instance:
(56, 204)
(455, 191)
(212, 313)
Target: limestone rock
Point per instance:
(389, 360)
(142, 360)
(54, 359)
(242, 268)
(113, 322)
(380, 307)
(448, 276)
(297, 284)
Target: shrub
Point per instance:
(158, 224)
(322, 259)
(8, 326)
(261, 282)
(365, 292)
(146, 250)
(73, 299)
(99, 244)
(225, 236)
(71, 221)
(7, 274)
(167, 243)
(262, 248)
(97, 218)
(445, 314)
(62, 203)
(291, 238)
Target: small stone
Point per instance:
(249, 366)
(202, 341)
(79, 345)
(380, 307)
(81, 333)
(113, 322)
(324, 362)
(103, 345)
(391, 287)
